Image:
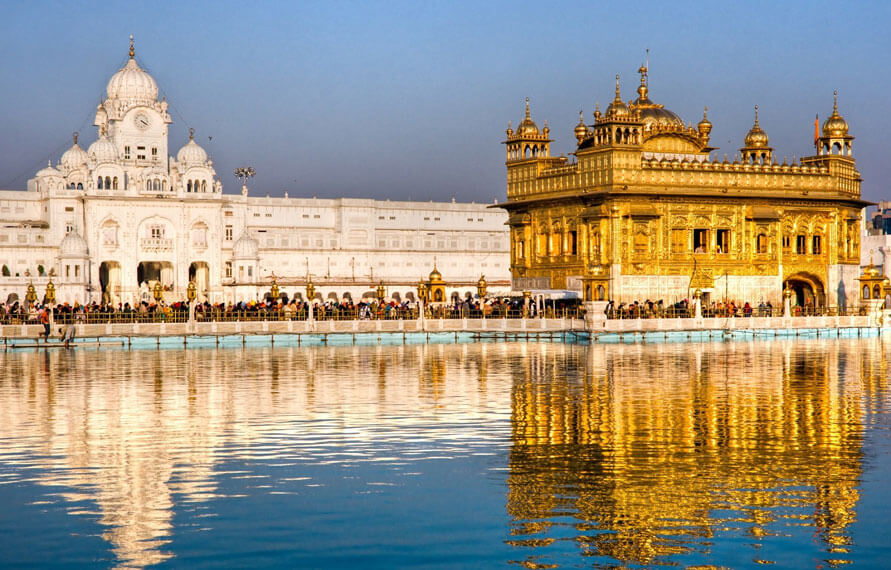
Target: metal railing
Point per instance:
(646, 312)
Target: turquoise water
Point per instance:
(469, 455)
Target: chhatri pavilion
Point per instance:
(642, 210)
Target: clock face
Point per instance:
(142, 121)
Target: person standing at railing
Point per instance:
(45, 321)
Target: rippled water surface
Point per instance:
(454, 456)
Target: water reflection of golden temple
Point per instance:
(644, 211)
(660, 455)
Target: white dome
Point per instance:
(48, 171)
(74, 157)
(191, 154)
(245, 248)
(103, 150)
(73, 246)
(132, 82)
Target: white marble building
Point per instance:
(112, 219)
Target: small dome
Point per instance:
(73, 246)
(435, 275)
(191, 153)
(835, 126)
(246, 247)
(581, 130)
(132, 82)
(103, 150)
(705, 126)
(527, 126)
(756, 136)
(48, 171)
(74, 157)
(618, 109)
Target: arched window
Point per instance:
(157, 185)
(148, 184)
(80, 186)
(114, 182)
(164, 185)
(189, 186)
(866, 291)
(204, 185)
(99, 183)
(876, 292)
(108, 182)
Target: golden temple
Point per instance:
(642, 209)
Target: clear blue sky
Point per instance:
(410, 100)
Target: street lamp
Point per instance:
(381, 291)
(481, 287)
(31, 294)
(274, 289)
(50, 293)
(310, 290)
(191, 291)
(157, 291)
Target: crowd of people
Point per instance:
(278, 309)
(685, 308)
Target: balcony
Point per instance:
(156, 244)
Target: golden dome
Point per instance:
(705, 126)
(435, 275)
(871, 270)
(618, 109)
(581, 131)
(835, 126)
(756, 137)
(650, 113)
(527, 126)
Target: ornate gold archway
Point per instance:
(807, 289)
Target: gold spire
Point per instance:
(528, 115)
(835, 125)
(132, 51)
(643, 70)
(756, 136)
(75, 137)
(581, 131)
(191, 134)
(705, 126)
(618, 94)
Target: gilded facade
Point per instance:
(643, 209)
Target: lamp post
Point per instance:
(274, 289)
(526, 296)
(481, 286)
(422, 298)
(50, 293)
(157, 291)
(697, 303)
(310, 293)
(191, 294)
(381, 292)
(787, 301)
(31, 294)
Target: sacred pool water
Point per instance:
(542, 455)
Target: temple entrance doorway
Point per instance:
(807, 290)
(199, 273)
(149, 272)
(110, 281)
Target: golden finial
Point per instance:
(581, 116)
(835, 101)
(75, 137)
(191, 134)
(618, 96)
(132, 51)
(527, 110)
(705, 112)
(756, 115)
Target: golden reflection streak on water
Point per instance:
(652, 442)
(138, 432)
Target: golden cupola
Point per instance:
(581, 130)
(618, 110)
(527, 142)
(651, 114)
(757, 145)
(835, 125)
(835, 138)
(705, 126)
(527, 126)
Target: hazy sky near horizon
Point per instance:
(410, 100)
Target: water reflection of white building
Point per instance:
(123, 211)
(153, 437)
